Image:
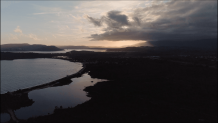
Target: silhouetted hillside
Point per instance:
(28, 47)
(13, 46)
(48, 48)
(166, 50)
(81, 47)
(203, 44)
(73, 47)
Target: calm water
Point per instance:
(23, 73)
(46, 99)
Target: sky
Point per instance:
(107, 23)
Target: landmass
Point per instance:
(28, 47)
(144, 86)
(12, 56)
(146, 90)
(82, 47)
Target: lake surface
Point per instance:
(24, 73)
(46, 99)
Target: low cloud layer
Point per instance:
(175, 20)
(19, 35)
(18, 30)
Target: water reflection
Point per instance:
(24, 73)
(45, 100)
(5, 117)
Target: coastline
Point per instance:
(142, 90)
(21, 95)
(49, 84)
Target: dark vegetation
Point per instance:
(15, 102)
(28, 47)
(12, 56)
(167, 51)
(202, 44)
(175, 87)
(144, 89)
(18, 99)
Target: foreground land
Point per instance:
(143, 86)
(142, 89)
(13, 56)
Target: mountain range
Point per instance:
(28, 47)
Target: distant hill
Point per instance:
(196, 47)
(81, 47)
(73, 47)
(203, 44)
(28, 47)
(6, 46)
(48, 48)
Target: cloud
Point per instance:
(18, 30)
(96, 22)
(118, 17)
(114, 19)
(33, 36)
(174, 20)
(21, 35)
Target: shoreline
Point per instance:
(10, 96)
(49, 84)
(145, 91)
(139, 89)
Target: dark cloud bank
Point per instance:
(173, 23)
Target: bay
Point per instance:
(22, 73)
